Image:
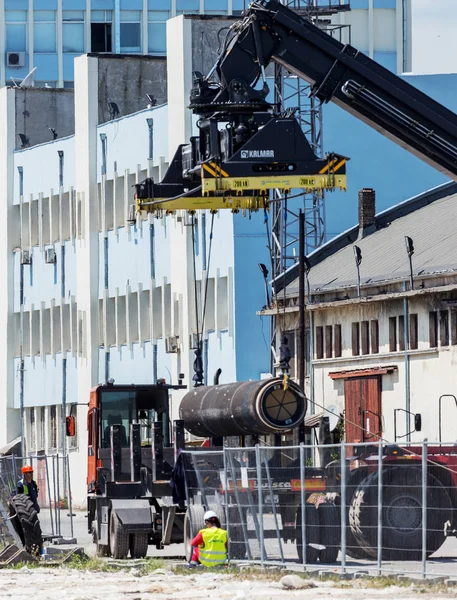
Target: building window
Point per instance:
(130, 31)
(73, 30)
(444, 328)
(101, 31)
(32, 431)
(401, 333)
(216, 7)
(187, 6)
(433, 328)
(337, 341)
(392, 334)
(52, 434)
(374, 336)
(44, 32)
(413, 333)
(16, 30)
(328, 341)
(319, 342)
(355, 339)
(157, 32)
(42, 429)
(365, 337)
(453, 316)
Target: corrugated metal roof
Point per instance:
(432, 227)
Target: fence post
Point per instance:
(343, 507)
(70, 501)
(260, 501)
(424, 509)
(226, 499)
(302, 502)
(380, 507)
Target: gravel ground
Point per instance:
(55, 584)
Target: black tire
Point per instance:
(25, 522)
(138, 545)
(330, 531)
(119, 539)
(352, 545)
(401, 514)
(101, 550)
(312, 533)
(193, 522)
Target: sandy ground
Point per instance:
(55, 584)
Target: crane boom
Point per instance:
(245, 147)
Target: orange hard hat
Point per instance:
(27, 469)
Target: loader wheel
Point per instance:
(119, 539)
(330, 530)
(101, 550)
(25, 522)
(193, 522)
(139, 545)
(401, 514)
(312, 533)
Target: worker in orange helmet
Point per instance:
(27, 485)
(210, 544)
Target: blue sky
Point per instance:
(434, 36)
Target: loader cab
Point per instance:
(123, 405)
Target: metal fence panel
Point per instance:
(54, 497)
(372, 507)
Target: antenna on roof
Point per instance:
(29, 80)
(15, 83)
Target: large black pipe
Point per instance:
(245, 408)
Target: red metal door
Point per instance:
(362, 408)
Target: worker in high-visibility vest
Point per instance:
(210, 544)
(27, 485)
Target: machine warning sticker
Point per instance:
(241, 184)
(307, 181)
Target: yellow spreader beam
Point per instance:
(241, 193)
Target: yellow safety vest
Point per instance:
(214, 552)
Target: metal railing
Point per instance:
(369, 507)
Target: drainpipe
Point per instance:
(407, 366)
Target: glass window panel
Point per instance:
(44, 15)
(45, 37)
(159, 15)
(45, 84)
(130, 15)
(16, 38)
(130, 37)
(157, 38)
(159, 4)
(101, 15)
(73, 37)
(73, 15)
(187, 12)
(15, 15)
(188, 5)
(240, 4)
(216, 5)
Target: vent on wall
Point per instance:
(171, 344)
(26, 257)
(15, 59)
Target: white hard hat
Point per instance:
(209, 514)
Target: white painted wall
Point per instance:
(432, 370)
